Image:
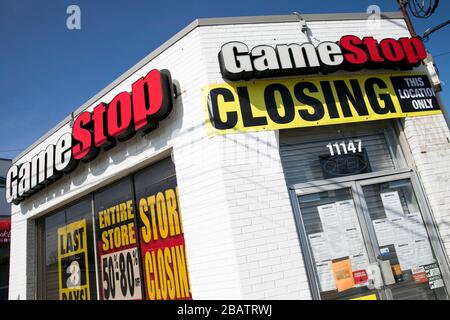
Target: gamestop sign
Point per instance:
(305, 101)
(150, 101)
(237, 62)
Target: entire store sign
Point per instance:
(73, 267)
(318, 100)
(118, 253)
(150, 101)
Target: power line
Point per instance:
(441, 54)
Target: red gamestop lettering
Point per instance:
(150, 101)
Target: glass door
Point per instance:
(370, 239)
(404, 239)
(340, 254)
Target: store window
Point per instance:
(139, 242)
(66, 265)
(117, 246)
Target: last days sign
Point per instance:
(73, 268)
(315, 101)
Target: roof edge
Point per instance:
(202, 22)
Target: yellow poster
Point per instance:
(368, 297)
(73, 268)
(316, 101)
(343, 276)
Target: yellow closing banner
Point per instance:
(315, 101)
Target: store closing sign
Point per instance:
(315, 101)
(162, 243)
(73, 267)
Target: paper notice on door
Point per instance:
(319, 247)
(405, 255)
(415, 224)
(337, 244)
(401, 231)
(384, 232)
(343, 275)
(359, 261)
(325, 276)
(329, 217)
(392, 205)
(355, 241)
(333, 231)
(347, 214)
(423, 255)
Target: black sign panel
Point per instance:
(344, 164)
(415, 93)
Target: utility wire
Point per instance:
(441, 54)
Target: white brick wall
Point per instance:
(429, 141)
(241, 239)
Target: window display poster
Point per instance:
(162, 242)
(118, 253)
(73, 271)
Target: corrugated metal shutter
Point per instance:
(300, 150)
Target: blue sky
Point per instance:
(47, 71)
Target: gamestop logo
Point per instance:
(150, 101)
(237, 62)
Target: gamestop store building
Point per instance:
(274, 157)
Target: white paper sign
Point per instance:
(325, 275)
(319, 247)
(405, 255)
(392, 205)
(359, 262)
(333, 231)
(415, 224)
(401, 232)
(423, 255)
(354, 241)
(384, 232)
(347, 214)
